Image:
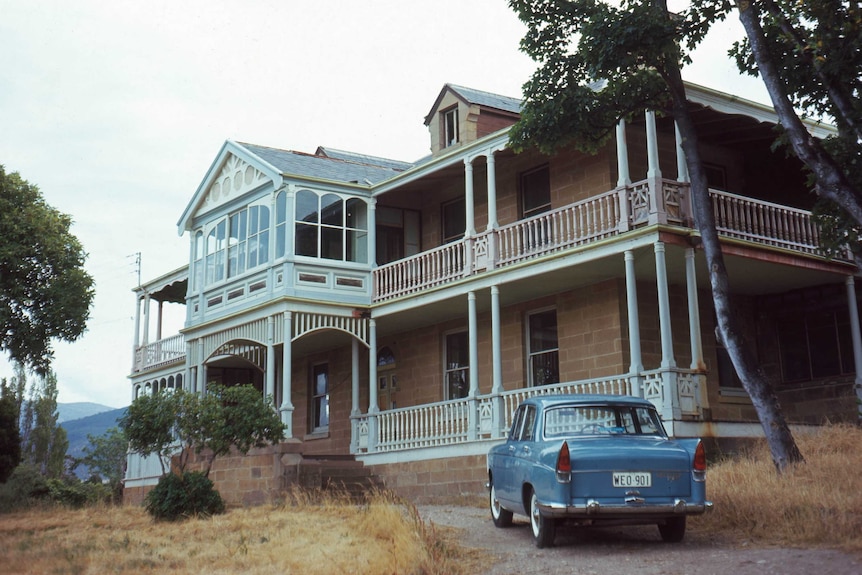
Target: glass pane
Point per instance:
(263, 248)
(543, 331)
(454, 220)
(457, 386)
(357, 246)
(545, 368)
(331, 245)
(306, 240)
(263, 219)
(457, 351)
(306, 207)
(280, 240)
(536, 192)
(253, 216)
(356, 214)
(331, 210)
(280, 208)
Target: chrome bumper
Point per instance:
(595, 509)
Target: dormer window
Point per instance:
(450, 127)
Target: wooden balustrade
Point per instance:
(160, 352)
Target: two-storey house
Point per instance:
(398, 312)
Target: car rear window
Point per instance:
(584, 420)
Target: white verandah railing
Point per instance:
(462, 420)
(590, 220)
(160, 352)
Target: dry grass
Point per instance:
(311, 534)
(817, 504)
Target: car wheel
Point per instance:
(502, 517)
(673, 529)
(544, 528)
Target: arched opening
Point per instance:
(237, 363)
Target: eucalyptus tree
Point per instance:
(45, 293)
(600, 63)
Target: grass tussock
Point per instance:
(310, 533)
(818, 503)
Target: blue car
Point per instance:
(595, 460)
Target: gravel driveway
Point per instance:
(628, 550)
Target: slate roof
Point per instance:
(363, 158)
(349, 168)
(487, 99)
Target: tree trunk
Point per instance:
(782, 446)
(831, 181)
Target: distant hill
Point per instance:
(70, 411)
(95, 425)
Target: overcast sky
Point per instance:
(116, 109)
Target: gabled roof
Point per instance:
(363, 159)
(477, 97)
(360, 169)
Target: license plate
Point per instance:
(632, 479)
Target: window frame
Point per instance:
(450, 127)
(460, 207)
(525, 188)
(462, 368)
(339, 230)
(318, 400)
(530, 354)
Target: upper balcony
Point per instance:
(604, 216)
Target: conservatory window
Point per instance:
(216, 245)
(330, 227)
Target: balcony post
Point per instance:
(636, 365)
(681, 164)
(373, 409)
(624, 180)
(269, 393)
(698, 365)
(286, 409)
(856, 336)
(371, 224)
(202, 369)
(469, 215)
(498, 418)
(354, 396)
(473, 339)
(657, 213)
(492, 210)
(670, 408)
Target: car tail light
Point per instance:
(564, 464)
(699, 464)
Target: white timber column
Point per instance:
(202, 369)
(372, 232)
(473, 336)
(498, 418)
(681, 165)
(469, 214)
(667, 359)
(269, 393)
(473, 371)
(492, 191)
(137, 342)
(856, 335)
(697, 362)
(636, 366)
(286, 409)
(624, 178)
(290, 216)
(146, 319)
(159, 320)
(354, 379)
(373, 409)
(653, 169)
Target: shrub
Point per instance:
(180, 496)
(22, 489)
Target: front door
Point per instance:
(387, 388)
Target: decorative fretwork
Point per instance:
(304, 323)
(234, 179)
(253, 353)
(639, 202)
(673, 198)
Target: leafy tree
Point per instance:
(599, 63)
(45, 444)
(809, 56)
(10, 437)
(224, 418)
(44, 291)
(106, 457)
(181, 422)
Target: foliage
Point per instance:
(24, 487)
(600, 63)
(106, 458)
(44, 291)
(224, 418)
(10, 436)
(180, 496)
(27, 487)
(808, 55)
(44, 441)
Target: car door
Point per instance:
(524, 453)
(505, 461)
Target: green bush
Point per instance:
(76, 494)
(23, 488)
(181, 496)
